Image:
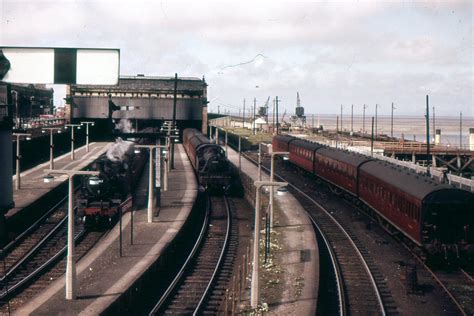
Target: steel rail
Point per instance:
(219, 263)
(366, 267)
(34, 249)
(12, 288)
(186, 264)
(337, 269)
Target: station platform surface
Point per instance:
(102, 275)
(299, 254)
(32, 185)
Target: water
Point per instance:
(409, 126)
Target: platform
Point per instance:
(299, 254)
(33, 187)
(102, 274)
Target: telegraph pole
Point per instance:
(376, 129)
(391, 122)
(352, 118)
(273, 117)
(342, 129)
(254, 108)
(372, 139)
(427, 129)
(243, 125)
(363, 120)
(277, 124)
(174, 115)
(460, 130)
(434, 125)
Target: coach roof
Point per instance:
(418, 185)
(351, 158)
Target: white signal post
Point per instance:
(240, 152)
(260, 162)
(272, 175)
(51, 143)
(72, 126)
(87, 133)
(18, 156)
(226, 146)
(71, 253)
(254, 287)
(151, 195)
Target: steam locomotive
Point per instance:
(438, 218)
(209, 162)
(101, 198)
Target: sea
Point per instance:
(453, 131)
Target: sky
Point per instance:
(332, 53)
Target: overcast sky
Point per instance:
(349, 52)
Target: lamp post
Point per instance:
(165, 167)
(226, 146)
(87, 133)
(376, 129)
(151, 195)
(352, 119)
(18, 156)
(72, 126)
(391, 121)
(342, 129)
(71, 256)
(254, 288)
(240, 152)
(260, 162)
(272, 175)
(51, 143)
(363, 120)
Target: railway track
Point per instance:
(457, 284)
(359, 286)
(35, 262)
(199, 286)
(22, 244)
(41, 264)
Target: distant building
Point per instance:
(28, 101)
(144, 99)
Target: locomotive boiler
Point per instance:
(209, 161)
(101, 198)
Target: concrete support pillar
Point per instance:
(458, 161)
(413, 157)
(471, 139)
(433, 159)
(438, 137)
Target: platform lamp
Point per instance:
(18, 156)
(71, 255)
(87, 133)
(51, 143)
(169, 158)
(72, 126)
(151, 179)
(260, 155)
(226, 145)
(272, 176)
(254, 288)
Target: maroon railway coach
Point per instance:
(434, 216)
